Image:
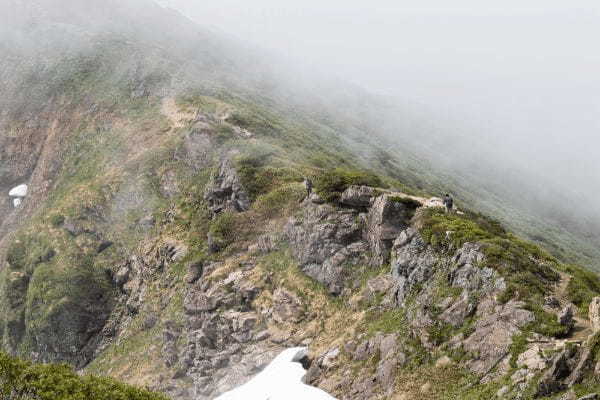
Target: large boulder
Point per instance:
(594, 314)
(358, 196)
(225, 192)
(388, 216)
(325, 241)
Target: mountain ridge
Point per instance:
(167, 240)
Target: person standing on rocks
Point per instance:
(308, 185)
(448, 203)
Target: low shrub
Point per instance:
(582, 288)
(526, 268)
(22, 380)
(330, 184)
(223, 228)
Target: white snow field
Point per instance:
(281, 380)
(19, 191)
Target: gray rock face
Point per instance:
(358, 196)
(325, 241)
(385, 220)
(225, 349)
(413, 262)
(287, 307)
(197, 148)
(560, 368)
(494, 329)
(225, 191)
(594, 314)
(469, 273)
(565, 317)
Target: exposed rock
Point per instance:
(358, 196)
(413, 262)
(425, 388)
(503, 391)
(443, 362)
(197, 146)
(551, 302)
(147, 222)
(329, 359)
(494, 329)
(122, 275)
(460, 310)
(386, 371)
(591, 396)
(570, 395)
(565, 317)
(197, 302)
(386, 218)
(225, 191)
(584, 363)
(267, 243)
(104, 245)
(334, 271)
(287, 307)
(532, 359)
(594, 314)
(552, 380)
(468, 271)
(194, 271)
(325, 241)
(368, 348)
(315, 199)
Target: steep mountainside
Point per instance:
(166, 238)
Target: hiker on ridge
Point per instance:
(308, 185)
(448, 203)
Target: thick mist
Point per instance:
(507, 93)
(498, 104)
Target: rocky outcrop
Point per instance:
(493, 335)
(387, 217)
(358, 196)
(325, 241)
(412, 263)
(225, 191)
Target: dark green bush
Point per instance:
(57, 220)
(22, 380)
(330, 184)
(526, 268)
(583, 287)
(223, 228)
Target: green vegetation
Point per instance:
(22, 380)
(583, 286)
(258, 177)
(527, 269)
(57, 220)
(330, 184)
(274, 203)
(223, 228)
(407, 201)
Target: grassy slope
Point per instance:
(101, 165)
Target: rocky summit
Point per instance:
(157, 240)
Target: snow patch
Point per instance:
(281, 380)
(19, 191)
(17, 202)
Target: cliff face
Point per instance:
(167, 240)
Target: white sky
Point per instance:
(520, 76)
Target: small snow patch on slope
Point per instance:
(281, 380)
(19, 191)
